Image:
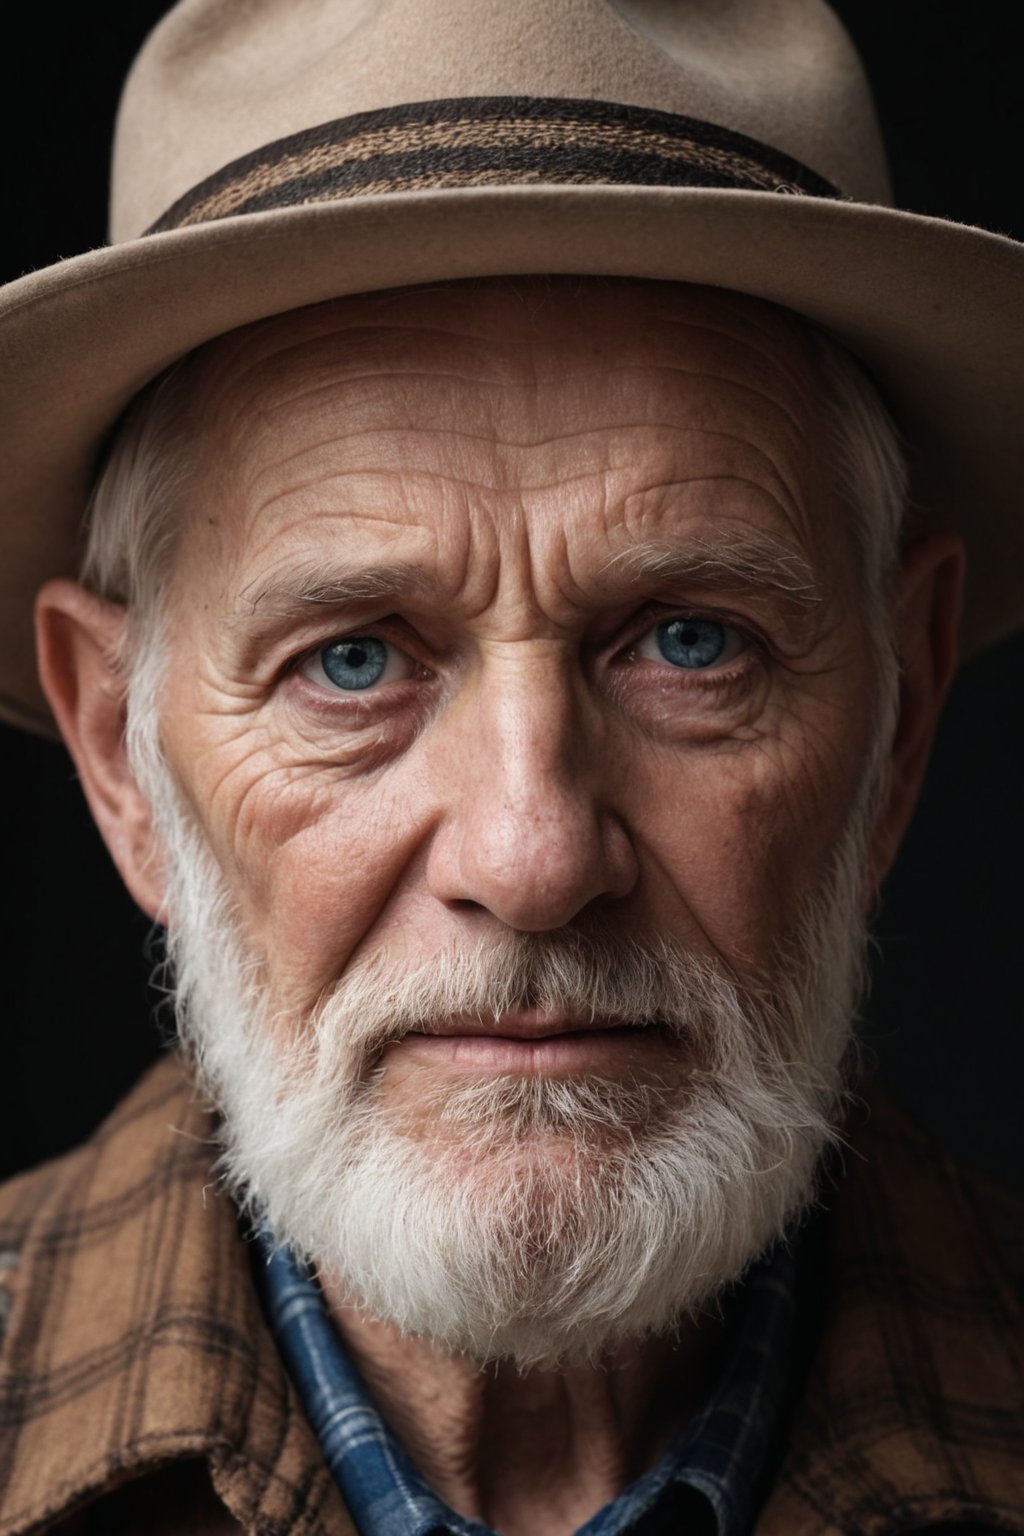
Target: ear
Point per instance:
(77, 640)
(928, 599)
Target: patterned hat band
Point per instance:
(491, 141)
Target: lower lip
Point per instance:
(585, 1051)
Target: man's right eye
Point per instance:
(357, 662)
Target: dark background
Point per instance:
(945, 1014)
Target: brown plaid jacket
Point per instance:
(142, 1392)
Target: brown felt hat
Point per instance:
(274, 153)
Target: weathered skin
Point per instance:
(504, 456)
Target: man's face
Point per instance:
(504, 618)
(494, 612)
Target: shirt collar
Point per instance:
(722, 1455)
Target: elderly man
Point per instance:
(503, 659)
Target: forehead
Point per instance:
(519, 342)
(562, 410)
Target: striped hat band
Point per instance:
(491, 141)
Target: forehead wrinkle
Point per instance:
(785, 345)
(705, 377)
(235, 366)
(359, 330)
(465, 506)
(504, 439)
(673, 371)
(507, 444)
(784, 333)
(416, 370)
(787, 507)
(785, 330)
(779, 408)
(758, 314)
(371, 376)
(484, 347)
(368, 517)
(782, 326)
(459, 433)
(269, 550)
(561, 372)
(785, 513)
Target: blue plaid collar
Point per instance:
(715, 1469)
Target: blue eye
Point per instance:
(692, 643)
(356, 662)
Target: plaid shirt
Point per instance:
(718, 1460)
(142, 1390)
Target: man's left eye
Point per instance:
(691, 643)
(356, 663)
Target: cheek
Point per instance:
(312, 858)
(740, 842)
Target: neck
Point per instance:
(537, 1451)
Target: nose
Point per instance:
(529, 835)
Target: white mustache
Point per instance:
(586, 973)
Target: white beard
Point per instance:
(548, 1221)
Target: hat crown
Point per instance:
(218, 79)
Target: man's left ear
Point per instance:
(928, 598)
(78, 638)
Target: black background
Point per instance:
(945, 1013)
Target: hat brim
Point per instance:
(933, 308)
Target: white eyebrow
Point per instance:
(758, 561)
(748, 563)
(290, 593)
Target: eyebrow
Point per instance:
(759, 563)
(751, 561)
(290, 594)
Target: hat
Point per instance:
(277, 153)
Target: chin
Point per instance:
(578, 1218)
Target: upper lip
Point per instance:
(524, 1024)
